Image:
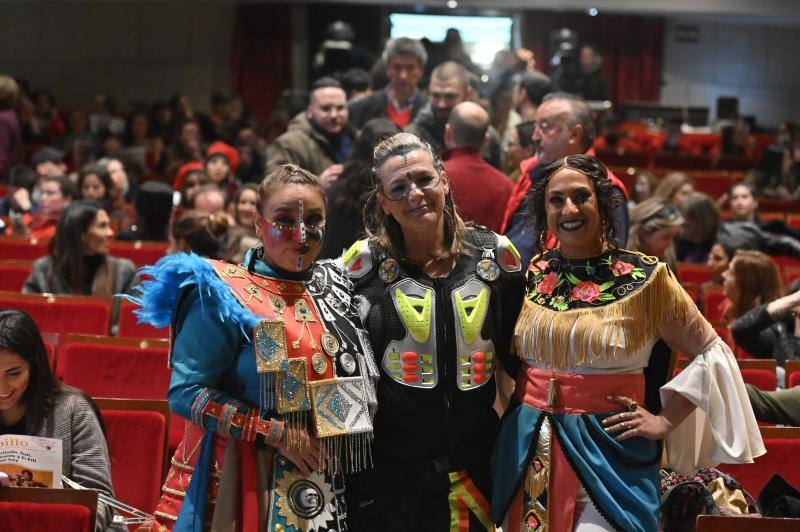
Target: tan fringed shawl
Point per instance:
(578, 336)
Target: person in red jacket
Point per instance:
(480, 191)
(564, 126)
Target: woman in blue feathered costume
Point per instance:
(271, 365)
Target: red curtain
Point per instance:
(261, 66)
(632, 48)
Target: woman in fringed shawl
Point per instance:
(582, 451)
(272, 368)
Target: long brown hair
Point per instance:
(66, 249)
(757, 280)
(384, 230)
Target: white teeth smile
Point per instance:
(6, 396)
(571, 225)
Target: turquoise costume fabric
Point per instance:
(621, 478)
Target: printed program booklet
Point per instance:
(30, 461)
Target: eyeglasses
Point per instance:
(401, 189)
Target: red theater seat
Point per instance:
(47, 510)
(129, 368)
(783, 457)
(137, 445)
(693, 273)
(760, 378)
(62, 314)
(725, 523)
(129, 328)
(141, 253)
(682, 162)
(22, 248)
(13, 274)
(792, 373)
(714, 306)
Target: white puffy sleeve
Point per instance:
(722, 429)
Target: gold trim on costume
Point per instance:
(554, 337)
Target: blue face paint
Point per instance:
(275, 235)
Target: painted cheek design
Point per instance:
(275, 236)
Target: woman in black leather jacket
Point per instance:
(440, 303)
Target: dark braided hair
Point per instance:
(592, 168)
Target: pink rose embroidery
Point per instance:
(542, 264)
(586, 291)
(620, 268)
(548, 284)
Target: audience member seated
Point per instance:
(189, 179)
(748, 235)
(400, 101)
(123, 188)
(10, 132)
(37, 404)
(654, 226)
(209, 199)
(94, 183)
(781, 407)
(242, 235)
(55, 194)
(185, 148)
(222, 162)
(744, 208)
(153, 207)
(347, 196)
(480, 191)
(18, 198)
(48, 161)
(644, 187)
(701, 222)
(770, 330)
(140, 134)
(719, 257)
(320, 139)
(79, 262)
(776, 174)
(675, 188)
(752, 279)
(199, 232)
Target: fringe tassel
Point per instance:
(548, 336)
(266, 392)
(349, 453)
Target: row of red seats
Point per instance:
(141, 253)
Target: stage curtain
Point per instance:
(632, 48)
(261, 64)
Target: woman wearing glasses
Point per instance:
(272, 368)
(440, 302)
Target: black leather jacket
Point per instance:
(436, 358)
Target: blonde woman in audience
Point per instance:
(675, 188)
(654, 226)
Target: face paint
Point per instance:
(275, 235)
(300, 234)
